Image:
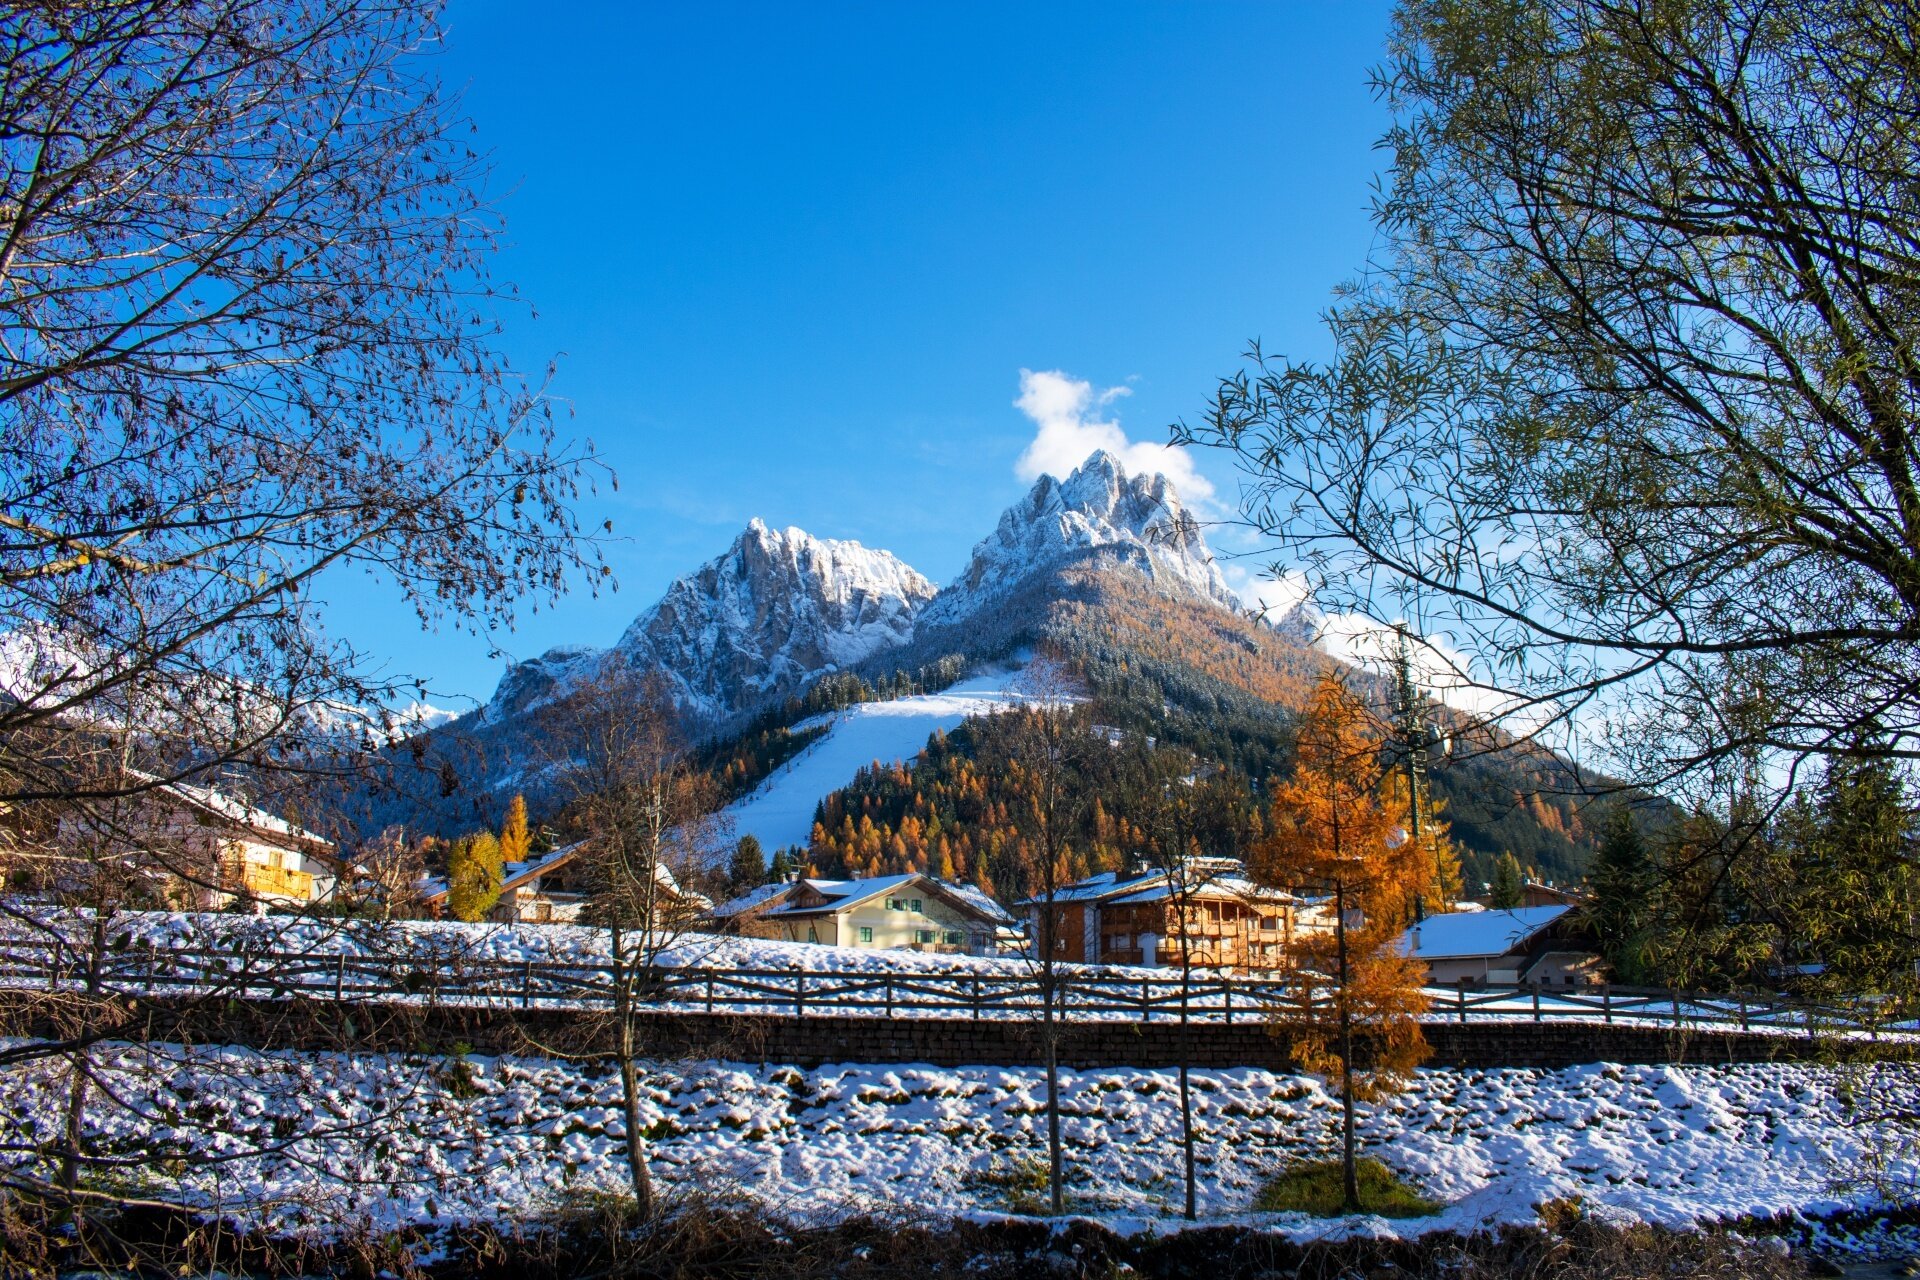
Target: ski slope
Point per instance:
(780, 811)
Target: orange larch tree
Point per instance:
(1339, 831)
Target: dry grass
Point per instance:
(598, 1238)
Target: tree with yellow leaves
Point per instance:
(514, 838)
(1339, 832)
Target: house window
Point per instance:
(1118, 941)
(955, 938)
(925, 935)
(896, 904)
(812, 936)
(916, 904)
(866, 933)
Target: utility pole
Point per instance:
(1415, 735)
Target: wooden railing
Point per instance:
(1082, 993)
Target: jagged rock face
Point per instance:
(782, 607)
(777, 609)
(1098, 513)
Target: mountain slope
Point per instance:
(1104, 568)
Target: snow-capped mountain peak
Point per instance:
(779, 607)
(1098, 512)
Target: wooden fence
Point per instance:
(1081, 993)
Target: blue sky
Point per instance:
(792, 260)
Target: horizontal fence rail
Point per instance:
(1081, 994)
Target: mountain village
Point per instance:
(1443, 808)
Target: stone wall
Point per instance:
(813, 1040)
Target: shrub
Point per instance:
(1314, 1187)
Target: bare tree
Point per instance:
(1627, 404)
(388, 872)
(649, 825)
(1043, 746)
(1174, 819)
(246, 347)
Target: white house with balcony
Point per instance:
(904, 913)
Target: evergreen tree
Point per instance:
(474, 874)
(748, 870)
(782, 866)
(1852, 850)
(1623, 885)
(1508, 889)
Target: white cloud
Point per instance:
(1067, 412)
(1276, 596)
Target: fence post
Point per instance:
(1606, 1002)
(709, 990)
(799, 993)
(1536, 1001)
(1146, 999)
(973, 994)
(1460, 998)
(1743, 1011)
(889, 991)
(340, 977)
(1227, 987)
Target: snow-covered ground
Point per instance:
(329, 1137)
(475, 964)
(780, 811)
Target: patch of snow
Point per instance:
(780, 811)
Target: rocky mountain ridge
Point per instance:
(782, 607)
(750, 626)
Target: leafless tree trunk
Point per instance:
(1044, 741)
(648, 824)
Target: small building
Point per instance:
(903, 913)
(1134, 919)
(1536, 894)
(202, 848)
(1544, 945)
(549, 889)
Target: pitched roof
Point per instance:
(1474, 935)
(1097, 887)
(841, 894)
(219, 804)
(515, 874)
(753, 899)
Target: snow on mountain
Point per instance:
(780, 811)
(752, 625)
(1099, 513)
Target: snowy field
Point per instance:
(393, 1140)
(780, 811)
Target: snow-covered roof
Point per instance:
(515, 874)
(221, 805)
(978, 899)
(1472, 935)
(841, 894)
(1107, 884)
(752, 899)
